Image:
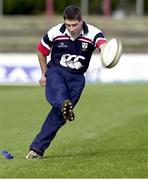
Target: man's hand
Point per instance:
(42, 81)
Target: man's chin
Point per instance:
(74, 35)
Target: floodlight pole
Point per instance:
(49, 7)
(1, 7)
(84, 6)
(107, 7)
(140, 7)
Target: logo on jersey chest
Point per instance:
(84, 46)
(72, 61)
(62, 45)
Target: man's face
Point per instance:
(74, 27)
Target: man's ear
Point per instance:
(81, 21)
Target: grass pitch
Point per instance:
(108, 139)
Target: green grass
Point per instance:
(108, 139)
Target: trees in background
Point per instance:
(13, 7)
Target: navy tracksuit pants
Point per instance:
(61, 85)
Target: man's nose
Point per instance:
(71, 28)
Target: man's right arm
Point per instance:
(43, 50)
(43, 64)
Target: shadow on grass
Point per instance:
(102, 153)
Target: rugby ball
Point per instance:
(111, 52)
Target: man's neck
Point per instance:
(74, 37)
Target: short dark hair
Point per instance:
(72, 13)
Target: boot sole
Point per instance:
(67, 110)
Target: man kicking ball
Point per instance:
(70, 45)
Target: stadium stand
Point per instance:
(21, 33)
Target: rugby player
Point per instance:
(70, 46)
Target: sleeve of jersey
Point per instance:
(44, 45)
(99, 40)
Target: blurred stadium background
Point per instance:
(112, 141)
(24, 22)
